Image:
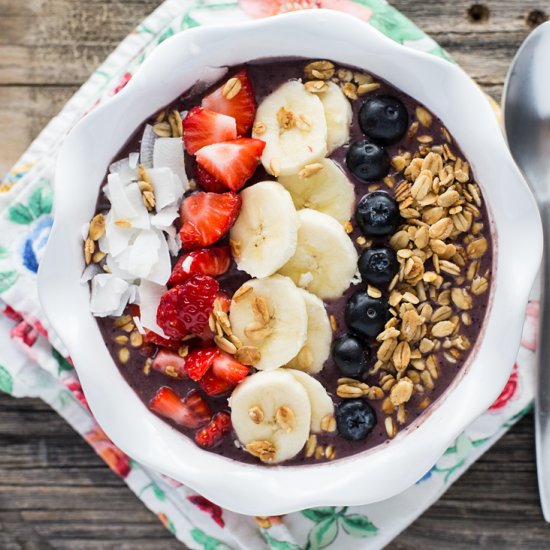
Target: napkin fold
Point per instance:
(34, 362)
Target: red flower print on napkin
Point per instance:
(508, 392)
(210, 508)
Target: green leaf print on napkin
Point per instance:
(328, 520)
(7, 280)
(6, 380)
(62, 363)
(279, 544)
(40, 202)
(208, 542)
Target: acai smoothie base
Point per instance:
(379, 338)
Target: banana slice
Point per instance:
(322, 407)
(325, 260)
(338, 114)
(328, 191)
(270, 314)
(265, 234)
(271, 415)
(316, 350)
(292, 123)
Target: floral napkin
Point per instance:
(33, 360)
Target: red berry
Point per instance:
(227, 368)
(231, 162)
(213, 385)
(214, 431)
(151, 337)
(203, 127)
(192, 411)
(185, 308)
(206, 217)
(207, 181)
(199, 361)
(242, 107)
(224, 300)
(170, 363)
(206, 261)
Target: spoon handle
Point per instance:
(542, 397)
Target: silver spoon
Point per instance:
(526, 105)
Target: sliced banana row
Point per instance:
(273, 413)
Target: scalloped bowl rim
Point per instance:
(362, 478)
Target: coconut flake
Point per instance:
(147, 146)
(144, 253)
(141, 219)
(167, 186)
(168, 153)
(116, 239)
(149, 297)
(208, 76)
(139, 326)
(84, 230)
(109, 295)
(163, 219)
(90, 272)
(119, 199)
(174, 244)
(133, 160)
(124, 169)
(163, 267)
(119, 265)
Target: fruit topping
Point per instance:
(199, 361)
(378, 214)
(231, 162)
(202, 127)
(384, 119)
(355, 419)
(212, 434)
(185, 308)
(206, 217)
(378, 265)
(235, 98)
(365, 315)
(213, 262)
(367, 161)
(350, 355)
(227, 368)
(191, 412)
(207, 182)
(224, 301)
(212, 385)
(170, 363)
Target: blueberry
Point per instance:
(355, 419)
(365, 315)
(350, 355)
(367, 161)
(378, 265)
(384, 119)
(377, 214)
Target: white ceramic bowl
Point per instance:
(366, 477)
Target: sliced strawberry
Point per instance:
(170, 363)
(199, 361)
(226, 367)
(242, 106)
(213, 385)
(231, 162)
(207, 181)
(151, 337)
(214, 431)
(202, 127)
(206, 217)
(206, 261)
(224, 300)
(185, 308)
(192, 411)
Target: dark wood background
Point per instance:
(55, 493)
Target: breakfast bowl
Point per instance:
(513, 226)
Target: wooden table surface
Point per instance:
(54, 491)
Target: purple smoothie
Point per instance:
(266, 76)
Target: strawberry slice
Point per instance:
(213, 385)
(224, 300)
(241, 106)
(202, 127)
(151, 337)
(192, 411)
(199, 361)
(185, 308)
(207, 181)
(214, 431)
(206, 261)
(227, 368)
(231, 162)
(206, 217)
(170, 363)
